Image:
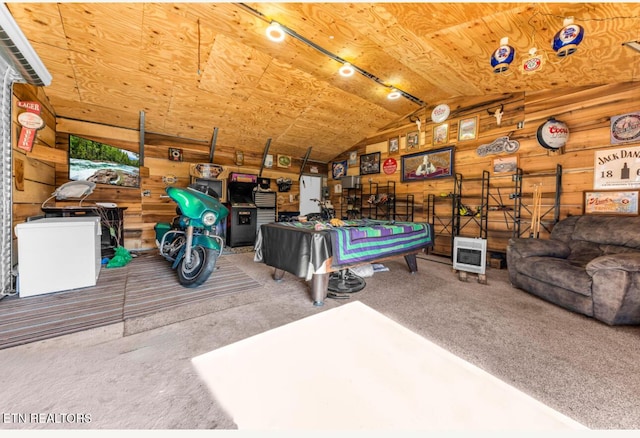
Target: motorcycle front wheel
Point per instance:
(203, 263)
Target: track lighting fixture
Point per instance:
(275, 32)
(394, 94)
(346, 70)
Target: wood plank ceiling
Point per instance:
(193, 67)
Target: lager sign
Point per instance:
(617, 169)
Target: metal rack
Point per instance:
(350, 201)
(490, 198)
(554, 209)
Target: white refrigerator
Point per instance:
(58, 253)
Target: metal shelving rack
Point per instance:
(350, 202)
(380, 201)
(478, 216)
(553, 209)
(404, 208)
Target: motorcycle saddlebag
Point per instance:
(161, 228)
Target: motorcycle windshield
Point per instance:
(193, 203)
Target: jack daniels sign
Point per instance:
(617, 169)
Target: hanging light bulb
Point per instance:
(275, 32)
(346, 70)
(503, 56)
(566, 41)
(394, 94)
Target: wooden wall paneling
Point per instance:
(37, 167)
(586, 110)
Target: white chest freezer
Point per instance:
(58, 253)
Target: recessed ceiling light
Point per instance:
(635, 45)
(346, 70)
(394, 94)
(275, 32)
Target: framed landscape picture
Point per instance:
(508, 164)
(468, 129)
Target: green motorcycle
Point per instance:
(193, 242)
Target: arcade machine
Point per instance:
(242, 219)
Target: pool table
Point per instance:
(313, 250)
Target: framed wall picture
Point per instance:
(468, 129)
(353, 158)
(268, 161)
(440, 135)
(623, 202)
(175, 154)
(284, 161)
(339, 169)
(394, 145)
(505, 165)
(370, 163)
(239, 159)
(413, 140)
(437, 163)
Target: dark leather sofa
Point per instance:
(589, 265)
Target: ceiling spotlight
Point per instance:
(566, 41)
(346, 70)
(394, 94)
(275, 32)
(635, 45)
(503, 56)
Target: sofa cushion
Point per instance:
(563, 230)
(583, 252)
(608, 230)
(559, 272)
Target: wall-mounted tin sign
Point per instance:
(440, 113)
(389, 166)
(498, 146)
(553, 134)
(30, 121)
(617, 169)
(625, 128)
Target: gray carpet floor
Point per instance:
(143, 378)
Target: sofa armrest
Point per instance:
(616, 296)
(628, 261)
(539, 247)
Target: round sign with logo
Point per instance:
(440, 113)
(390, 166)
(625, 128)
(30, 120)
(553, 134)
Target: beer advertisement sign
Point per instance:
(617, 169)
